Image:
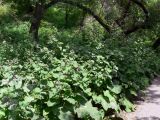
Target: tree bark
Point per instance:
(35, 23)
(66, 16)
(156, 43)
(124, 15)
(140, 25)
(106, 6)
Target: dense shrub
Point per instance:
(66, 79)
(74, 73)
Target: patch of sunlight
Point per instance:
(152, 2)
(4, 10)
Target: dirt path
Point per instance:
(150, 108)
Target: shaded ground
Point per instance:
(150, 108)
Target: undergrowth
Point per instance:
(72, 75)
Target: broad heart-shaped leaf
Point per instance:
(66, 115)
(108, 95)
(128, 105)
(132, 92)
(2, 114)
(112, 101)
(99, 99)
(70, 100)
(37, 90)
(18, 84)
(26, 102)
(28, 99)
(25, 88)
(116, 89)
(88, 110)
(50, 103)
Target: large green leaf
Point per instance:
(66, 115)
(88, 110)
(116, 89)
(128, 105)
(100, 100)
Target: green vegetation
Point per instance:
(75, 69)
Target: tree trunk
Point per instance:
(82, 24)
(156, 43)
(66, 16)
(35, 23)
(106, 6)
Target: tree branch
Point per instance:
(142, 7)
(126, 10)
(87, 10)
(140, 25)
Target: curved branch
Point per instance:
(140, 25)
(134, 28)
(142, 7)
(87, 10)
(126, 10)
